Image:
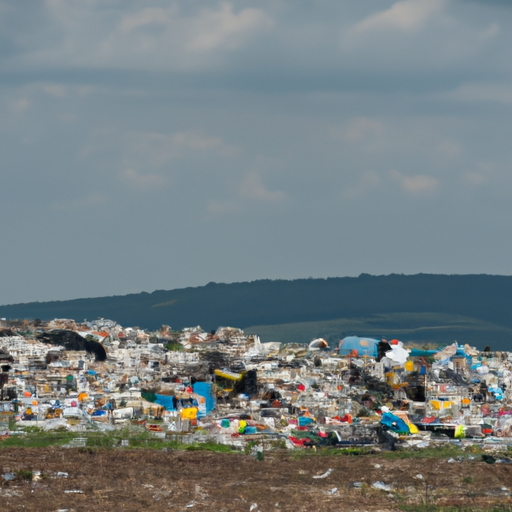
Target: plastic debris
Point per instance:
(228, 387)
(324, 475)
(381, 486)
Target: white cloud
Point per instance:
(368, 182)
(143, 35)
(194, 140)
(155, 149)
(91, 200)
(208, 30)
(59, 91)
(481, 92)
(148, 16)
(224, 28)
(490, 32)
(475, 178)
(419, 183)
(360, 128)
(145, 181)
(217, 207)
(450, 148)
(406, 15)
(481, 175)
(20, 105)
(252, 188)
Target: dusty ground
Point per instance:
(151, 480)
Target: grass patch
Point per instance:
(331, 452)
(208, 446)
(38, 440)
(438, 452)
(24, 474)
(145, 440)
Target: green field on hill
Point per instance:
(420, 328)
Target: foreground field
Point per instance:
(154, 480)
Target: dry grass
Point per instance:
(152, 480)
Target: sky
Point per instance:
(151, 144)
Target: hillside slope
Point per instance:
(479, 298)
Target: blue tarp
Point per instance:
(417, 352)
(394, 423)
(165, 401)
(497, 392)
(205, 389)
(364, 346)
(304, 421)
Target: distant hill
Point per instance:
(423, 307)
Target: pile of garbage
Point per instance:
(230, 387)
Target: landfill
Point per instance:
(228, 387)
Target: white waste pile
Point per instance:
(231, 387)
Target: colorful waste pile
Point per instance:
(230, 387)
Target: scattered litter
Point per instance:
(10, 493)
(73, 491)
(9, 476)
(377, 466)
(324, 475)
(356, 485)
(451, 461)
(381, 486)
(333, 491)
(61, 474)
(419, 476)
(253, 506)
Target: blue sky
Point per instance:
(161, 144)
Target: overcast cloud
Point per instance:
(161, 144)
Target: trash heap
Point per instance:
(230, 388)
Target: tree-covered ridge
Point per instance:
(483, 298)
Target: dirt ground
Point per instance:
(152, 480)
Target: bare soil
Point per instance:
(152, 480)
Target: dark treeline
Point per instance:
(266, 302)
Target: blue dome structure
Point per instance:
(363, 346)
